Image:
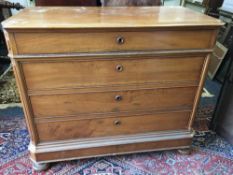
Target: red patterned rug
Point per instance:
(212, 155)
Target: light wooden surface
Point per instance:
(74, 129)
(44, 42)
(123, 144)
(107, 17)
(47, 74)
(100, 81)
(105, 102)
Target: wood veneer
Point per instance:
(63, 128)
(112, 80)
(107, 102)
(47, 74)
(50, 42)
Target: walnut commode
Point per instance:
(111, 80)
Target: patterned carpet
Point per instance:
(212, 155)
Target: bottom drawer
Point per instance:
(52, 130)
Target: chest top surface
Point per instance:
(107, 17)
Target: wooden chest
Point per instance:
(103, 81)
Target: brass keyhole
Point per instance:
(118, 97)
(120, 40)
(119, 68)
(117, 122)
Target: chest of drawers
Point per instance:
(103, 81)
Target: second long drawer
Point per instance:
(115, 102)
(69, 73)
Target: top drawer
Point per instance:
(71, 41)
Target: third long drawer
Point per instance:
(75, 103)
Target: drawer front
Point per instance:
(71, 42)
(79, 104)
(66, 74)
(73, 129)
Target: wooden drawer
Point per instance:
(71, 42)
(64, 74)
(79, 104)
(73, 129)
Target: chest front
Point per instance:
(103, 83)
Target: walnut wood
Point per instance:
(25, 101)
(110, 55)
(108, 17)
(80, 148)
(112, 80)
(199, 91)
(112, 150)
(46, 74)
(52, 130)
(10, 41)
(102, 102)
(50, 42)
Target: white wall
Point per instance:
(228, 5)
(25, 3)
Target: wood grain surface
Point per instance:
(47, 74)
(108, 17)
(52, 130)
(51, 42)
(102, 102)
(111, 80)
